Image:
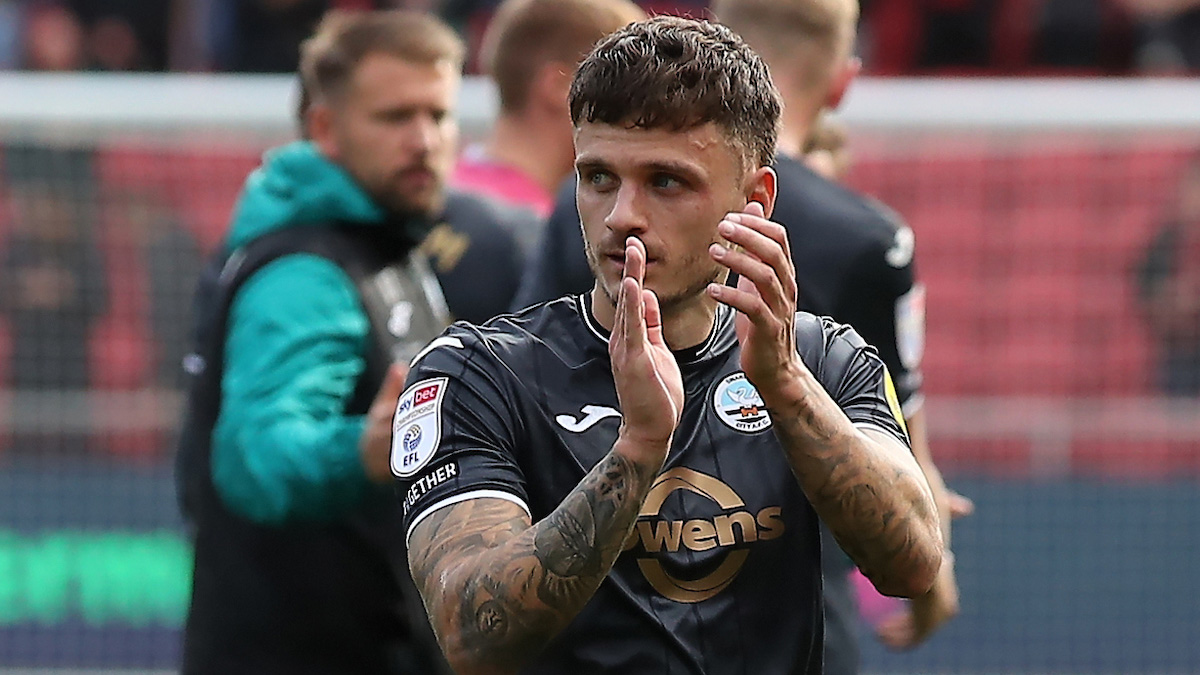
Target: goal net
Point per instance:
(1057, 229)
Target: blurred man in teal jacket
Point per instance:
(304, 330)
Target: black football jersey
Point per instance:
(722, 571)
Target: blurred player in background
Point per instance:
(826, 150)
(299, 567)
(1169, 284)
(530, 50)
(698, 427)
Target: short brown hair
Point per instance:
(524, 35)
(344, 38)
(778, 29)
(680, 73)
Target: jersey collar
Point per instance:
(719, 338)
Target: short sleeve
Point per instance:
(853, 374)
(453, 434)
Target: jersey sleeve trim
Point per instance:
(881, 428)
(466, 496)
(443, 341)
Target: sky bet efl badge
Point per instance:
(738, 404)
(417, 426)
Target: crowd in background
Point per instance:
(87, 304)
(1002, 37)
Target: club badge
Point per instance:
(739, 406)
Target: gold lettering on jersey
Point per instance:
(737, 527)
(445, 246)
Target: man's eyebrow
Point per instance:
(683, 169)
(586, 162)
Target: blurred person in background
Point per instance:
(53, 283)
(127, 35)
(304, 332)
(264, 36)
(109, 35)
(473, 238)
(52, 39)
(854, 261)
(10, 34)
(473, 18)
(826, 150)
(1169, 285)
(996, 37)
(1168, 35)
(530, 50)
(160, 247)
(261, 36)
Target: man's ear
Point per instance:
(550, 87)
(319, 123)
(763, 188)
(840, 84)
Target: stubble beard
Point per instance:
(668, 304)
(403, 206)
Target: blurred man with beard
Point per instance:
(304, 327)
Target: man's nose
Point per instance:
(424, 134)
(626, 217)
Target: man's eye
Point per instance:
(599, 179)
(664, 181)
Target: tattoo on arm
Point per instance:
(497, 589)
(877, 505)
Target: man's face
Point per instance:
(668, 188)
(393, 129)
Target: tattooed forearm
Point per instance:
(875, 501)
(497, 589)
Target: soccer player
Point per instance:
(283, 467)
(630, 480)
(530, 50)
(854, 261)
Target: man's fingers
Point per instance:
(744, 301)
(633, 321)
(635, 260)
(767, 250)
(755, 236)
(774, 290)
(898, 631)
(654, 328)
(959, 505)
(752, 217)
(632, 313)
